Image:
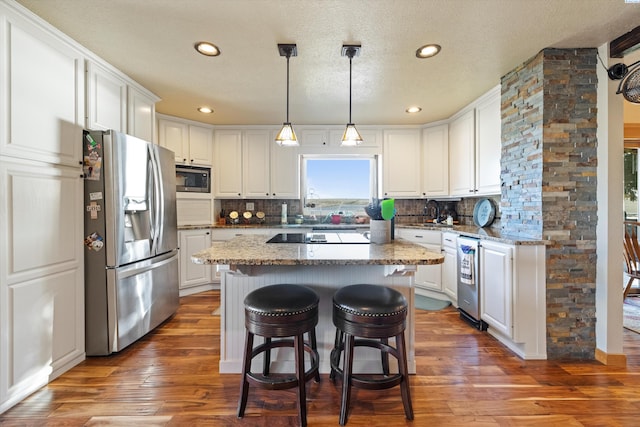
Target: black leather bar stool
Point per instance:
(286, 312)
(374, 313)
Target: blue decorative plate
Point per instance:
(484, 213)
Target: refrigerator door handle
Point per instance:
(158, 201)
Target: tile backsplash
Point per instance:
(408, 211)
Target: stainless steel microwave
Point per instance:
(193, 179)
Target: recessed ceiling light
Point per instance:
(428, 50)
(205, 110)
(207, 49)
(412, 110)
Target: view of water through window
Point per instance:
(338, 186)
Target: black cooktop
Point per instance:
(318, 238)
(288, 238)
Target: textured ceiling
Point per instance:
(152, 42)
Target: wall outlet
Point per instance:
(250, 206)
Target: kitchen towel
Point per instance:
(466, 265)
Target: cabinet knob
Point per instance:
(191, 160)
(266, 194)
(239, 194)
(208, 233)
(184, 159)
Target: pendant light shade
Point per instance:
(351, 136)
(287, 136)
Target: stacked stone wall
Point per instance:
(549, 184)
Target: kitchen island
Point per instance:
(250, 262)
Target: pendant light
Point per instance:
(351, 135)
(286, 136)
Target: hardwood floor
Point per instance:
(465, 378)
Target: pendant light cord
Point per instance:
(288, 56)
(350, 59)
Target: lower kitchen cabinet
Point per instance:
(450, 267)
(427, 277)
(194, 277)
(513, 296)
(496, 270)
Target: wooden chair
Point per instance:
(631, 254)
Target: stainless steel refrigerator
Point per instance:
(131, 239)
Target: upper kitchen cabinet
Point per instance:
(42, 114)
(461, 155)
(285, 170)
(488, 143)
(474, 148)
(401, 162)
(192, 143)
(313, 137)
(227, 167)
(249, 164)
(106, 99)
(116, 102)
(256, 146)
(435, 161)
(141, 117)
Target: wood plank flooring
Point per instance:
(464, 378)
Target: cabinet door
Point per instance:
(496, 279)
(43, 84)
(401, 159)
(449, 267)
(106, 99)
(200, 145)
(42, 280)
(435, 161)
(142, 114)
(285, 172)
(191, 274)
(256, 146)
(227, 169)
(461, 155)
(313, 138)
(488, 145)
(429, 276)
(175, 137)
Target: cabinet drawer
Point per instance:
(423, 237)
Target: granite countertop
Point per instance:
(253, 250)
(480, 233)
(462, 230)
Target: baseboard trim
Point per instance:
(611, 359)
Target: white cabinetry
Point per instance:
(496, 272)
(313, 137)
(461, 155)
(115, 102)
(450, 267)
(475, 148)
(106, 99)
(513, 296)
(249, 164)
(191, 143)
(285, 171)
(435, 161)
(488, 144)
(194, 276)
(41, 219)
(427, 277)
(227, 170)
(256, 147)
(402, 158)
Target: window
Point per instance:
(631, 184)
(338, 185)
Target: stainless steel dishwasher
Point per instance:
(468, 281)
